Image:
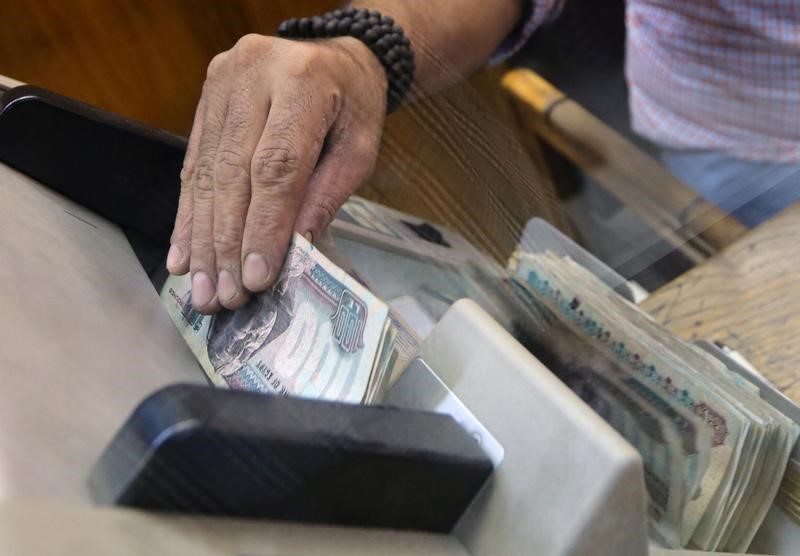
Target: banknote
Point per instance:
(359, 212)
(666, 397)
(668, 439)
(316, 333)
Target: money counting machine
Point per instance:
(477, 448)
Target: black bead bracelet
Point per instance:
(379, 32)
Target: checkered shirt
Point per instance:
(722, 75)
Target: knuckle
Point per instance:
(204, 179)
(231, 168)
(274, 166)
(325, 208)
(187, 173)
(179, 235)
(227, 242)
(252, 46)
(215, 66)
(205, 176)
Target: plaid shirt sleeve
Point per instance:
(537, 13)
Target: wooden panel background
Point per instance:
(142, 58)
(455, 159)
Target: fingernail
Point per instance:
(174, 257)
(202, 290)
(255, 272)
(309, 238)
(226, 286)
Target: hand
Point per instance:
(284, 132)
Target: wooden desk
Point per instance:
(747, 297)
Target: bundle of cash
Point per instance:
(714, 452)
(788, 498)
(789, 494)
(316, 333)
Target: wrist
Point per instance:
(379, 33)
(365, 60)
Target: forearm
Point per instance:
(451, 38)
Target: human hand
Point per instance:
(284, 132)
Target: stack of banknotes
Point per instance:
(316, 333)
(789, 494)
(714, 452)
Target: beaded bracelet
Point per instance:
(379, 32)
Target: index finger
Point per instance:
(280, 170)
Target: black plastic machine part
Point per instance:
(201, 450)
(120, 169)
